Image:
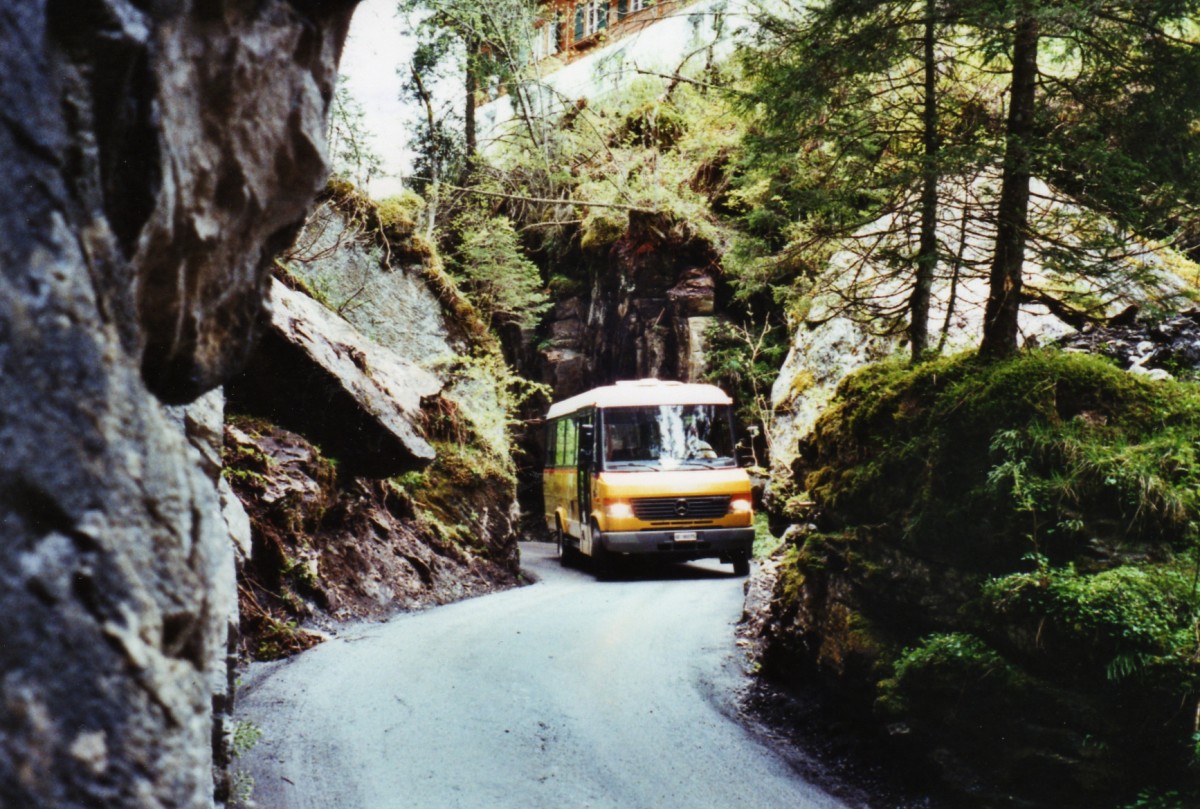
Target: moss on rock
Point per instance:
(1006, 568)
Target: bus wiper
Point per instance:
(628, 464)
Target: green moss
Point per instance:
(1050, 447)
(790, 584)
(801, 383)
(399, 213)
(1026, 531)
(1116, 623)
(765, 543)
(653, 124)
(601, 229)
(949, 671)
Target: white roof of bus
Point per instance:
(638, 392)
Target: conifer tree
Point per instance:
(853, 85)
(1089, 42)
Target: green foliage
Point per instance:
(1046, 441)
(836, 151)
(653, 124)
(765, 543)
(957, 655)
(1045, 508)
(1118, 623)
(614, 151)
(1164, 799)
(354, 160)
(505, 286)
(245, 736)
(744, 360)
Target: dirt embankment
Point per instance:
(329, 545)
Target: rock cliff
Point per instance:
(158, 155)
(643, 295)
(371, 448)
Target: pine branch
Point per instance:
(548, 201)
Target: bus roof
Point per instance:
(641, 392)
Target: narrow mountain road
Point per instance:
(567, 693)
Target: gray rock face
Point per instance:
(155, 156)
(316, 372)
(1158, 350)
(651, 299)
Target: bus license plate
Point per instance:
(685, 536)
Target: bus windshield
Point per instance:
(667, 437)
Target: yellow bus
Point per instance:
(647, 468)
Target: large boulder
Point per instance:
(855, 315)
(316, 373)
(1000, 572)
(156, 154)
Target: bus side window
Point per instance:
(568, 438)
(551, 434)
(562, 443)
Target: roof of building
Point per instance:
(641, 392)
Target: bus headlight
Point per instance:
(740, 505)
(617, 509)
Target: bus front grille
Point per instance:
(681, 508)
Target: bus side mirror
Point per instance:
(587, 439)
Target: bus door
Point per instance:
(584, 466)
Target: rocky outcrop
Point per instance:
(369, 436)
(851, 320)
(157, 155)
(651, 294)
(330, 546)
(998, 573)
(316, 373)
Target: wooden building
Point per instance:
(571, 28)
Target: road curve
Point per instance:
(566, 693)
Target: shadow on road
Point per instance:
(537, 555)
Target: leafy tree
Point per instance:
(437, 141)
(843, 148)
(503, 284)
(353, 157)
(492, 42)
(744, 360)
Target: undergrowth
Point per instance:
(1021, 538)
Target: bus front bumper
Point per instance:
(676, 542)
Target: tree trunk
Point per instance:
(918, 329)
(1004, 293)
(472, 86)
(433, 192)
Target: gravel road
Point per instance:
(567, 693)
